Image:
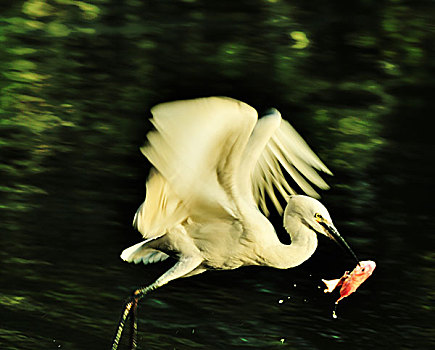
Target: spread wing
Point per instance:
(196, 149)
(275, 145)
(210, 154)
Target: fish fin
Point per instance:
(331, 284)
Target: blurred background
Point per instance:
(355, 78)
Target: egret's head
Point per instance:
(313, 214)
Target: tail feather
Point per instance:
(140, 253)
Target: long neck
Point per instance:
(303, 245)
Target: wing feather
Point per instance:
(196, 148)
(210, 154)
(161, 210)
(275, 146)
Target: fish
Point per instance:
(350, 282)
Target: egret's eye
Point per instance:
(317, 216)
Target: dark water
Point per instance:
(78, 78)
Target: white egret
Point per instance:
(214, 162)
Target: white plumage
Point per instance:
(214, 164)
(140, 253)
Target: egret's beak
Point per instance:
(334, 235)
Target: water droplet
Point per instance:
(280, 301)
(334, 315)
(294, 285)
(288, 297)
(282, 340)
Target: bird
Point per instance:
(214, 164)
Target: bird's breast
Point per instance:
(222, 243)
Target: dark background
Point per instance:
(77, 80)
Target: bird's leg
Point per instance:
(133, 326)
(184, 266)
(121, 324)
(131, 307)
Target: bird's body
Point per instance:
(201, 204)
(214, 163)
(225, 244)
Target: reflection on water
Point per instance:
(78, 79)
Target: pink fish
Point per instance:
(351, 281)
